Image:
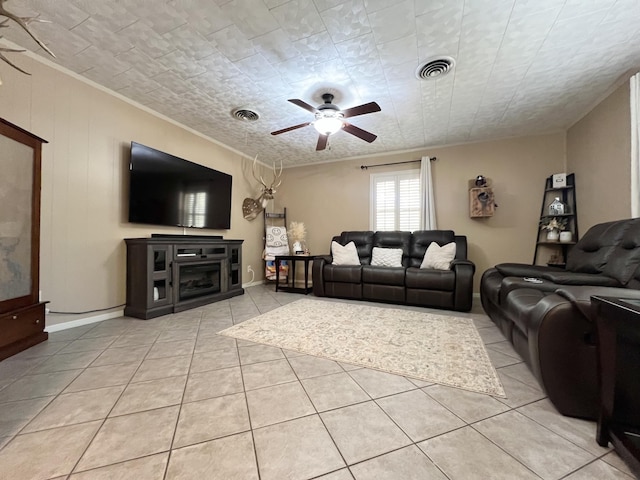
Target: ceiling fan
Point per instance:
(330, 119)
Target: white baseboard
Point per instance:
(79, 322)
(83, 321)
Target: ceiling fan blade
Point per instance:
(361, 109)
(322, 142)
(358, 132)
(288, 129)
(302, 104)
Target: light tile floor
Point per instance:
(170, 399)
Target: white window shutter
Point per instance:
(385, 214)
(409, 203)
(395, 201)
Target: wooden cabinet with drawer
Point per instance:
(21, 311)
(21, 329)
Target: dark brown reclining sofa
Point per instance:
(550, 324)
(409, 284)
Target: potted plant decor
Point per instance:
(553, 226)
(297, 233)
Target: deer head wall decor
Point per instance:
(24, 23)
(251, 207)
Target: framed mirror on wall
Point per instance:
(22, 314)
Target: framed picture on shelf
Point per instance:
(559, 180)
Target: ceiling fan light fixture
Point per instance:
(329, 119)
(326, 125)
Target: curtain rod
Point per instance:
(365, 167)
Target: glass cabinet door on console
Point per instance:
(235, 266)
(160, 292)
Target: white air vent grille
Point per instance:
(435, 68)
(246, 115)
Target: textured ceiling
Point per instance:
(522, 66)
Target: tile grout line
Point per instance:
(112, 407)
(184, 389)
(119, 397)
(62, 393)
(413, 442)
(318, 413)
(374, 400)
(510, 408)
(56, 396)
(246, 402)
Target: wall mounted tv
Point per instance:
(167, 190)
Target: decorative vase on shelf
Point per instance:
(565, 237)
(553, 235)
(557, 207)
(297, 248)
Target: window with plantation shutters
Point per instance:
(395, 201)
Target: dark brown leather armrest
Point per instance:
(576, 278)
(510, 284)
(456, 262)
(463, 294)
(581, 296)
(524, 270)
(317, 273)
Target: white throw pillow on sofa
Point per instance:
(439, 257)
(386, 257)
(344, 255)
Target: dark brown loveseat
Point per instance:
(409, 284)
(550, 324)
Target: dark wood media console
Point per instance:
(173, 274)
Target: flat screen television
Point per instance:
(167, 190)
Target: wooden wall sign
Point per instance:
(481, 202)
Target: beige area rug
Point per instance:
(434, 348)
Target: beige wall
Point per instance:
(84, 182)
(599, 153)
(332, 197)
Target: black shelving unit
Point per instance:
(567, 195)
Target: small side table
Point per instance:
(293, 259)
(618, 324)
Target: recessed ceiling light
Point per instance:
(435, 68)
(245, 114)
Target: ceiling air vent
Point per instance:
(435, 68)
(246, 115)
